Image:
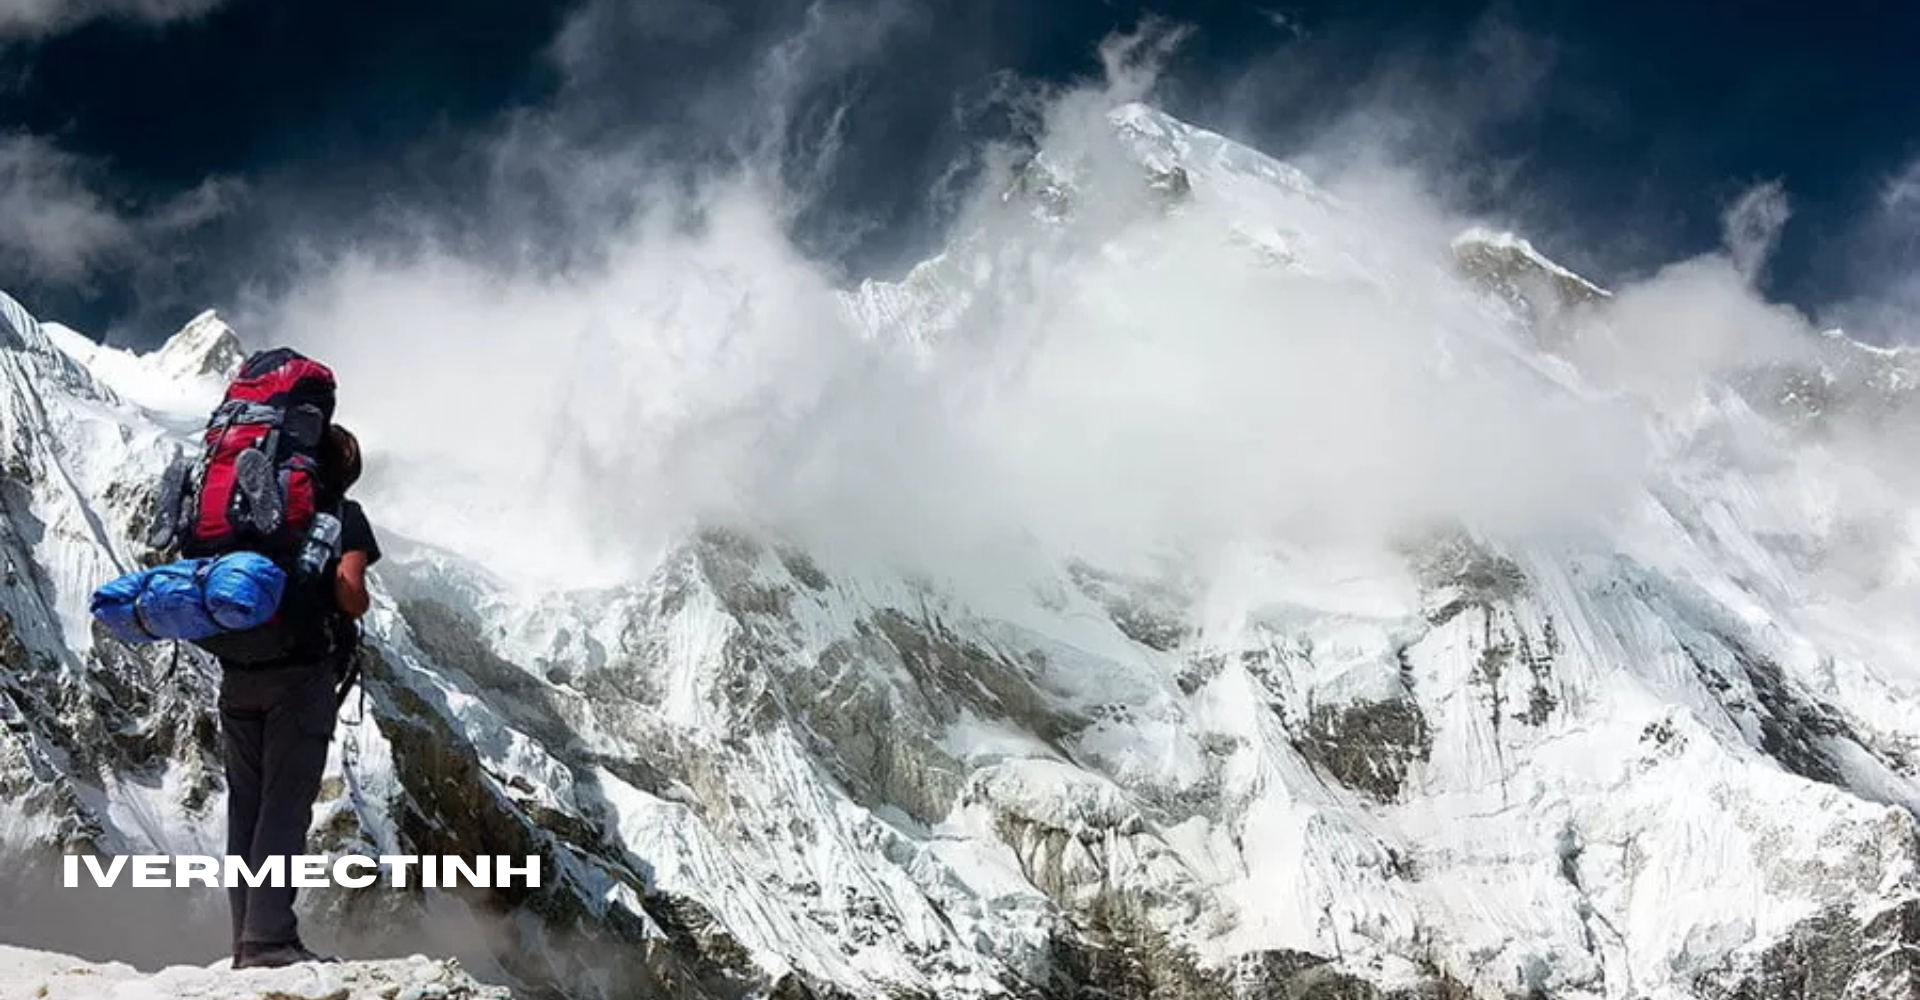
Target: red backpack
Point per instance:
(257, 485)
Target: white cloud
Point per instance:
(201, 204)
(1132, 62)
(29, 18)
(594, 33)
(1902, 193)
(1659, 337)
(1751, 226)
(1133, 379)
(55, 228)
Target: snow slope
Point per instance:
(1668, 751)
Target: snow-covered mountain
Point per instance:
(1669, 752)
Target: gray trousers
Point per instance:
(276, 726)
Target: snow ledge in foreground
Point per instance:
(41, 975)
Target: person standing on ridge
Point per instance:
(271, 579)
(277, 720)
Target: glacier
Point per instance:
(1432, 744)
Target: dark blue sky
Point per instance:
(1614, 133)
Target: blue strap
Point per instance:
(200, 575)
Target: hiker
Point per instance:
(277, 719)
(271, 581)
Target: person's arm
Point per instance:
(350, 584)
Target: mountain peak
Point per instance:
(1537, 287)
(1163, 143)
(1480, 247)
(206, 346)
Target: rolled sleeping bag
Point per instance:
(243, 590)
(115, 606)
(191, 599)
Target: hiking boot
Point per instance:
(254, 478)
(274, 956)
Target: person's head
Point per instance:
(340, 460)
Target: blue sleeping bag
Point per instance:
(191, 599)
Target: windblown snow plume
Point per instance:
(1104, 365)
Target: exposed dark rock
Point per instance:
(1199, 672)
(957, 672)
(882, 762)
(1173, 184)
(1150, 612)
(1038, 183)
(454, 806)
(798, 986)
(1541, 296)
(729, 561)
(1117, 958)
(1466, 570)
(1793, 727)
(1832, 956)
(541, 709)
(1368, 746)
(803, 568)
(1660, 738)
(1538, 658)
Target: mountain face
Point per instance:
(1673, 754)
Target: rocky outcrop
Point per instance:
(205, 348)
(1367, 745)
(1542, 294)
(1832, 955)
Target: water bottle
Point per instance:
(321, 545)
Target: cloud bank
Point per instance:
(57, 227)
(1115, 381)
(63, 228)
